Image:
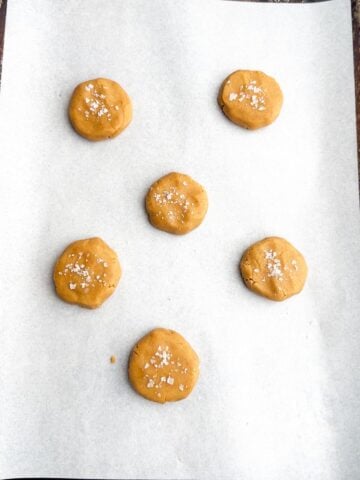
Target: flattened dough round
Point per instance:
(273, 268)
(99, 109)
(163, 367)
(87, 273)
(176, 203)
(250, 98)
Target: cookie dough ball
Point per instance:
(163, 367)
(99, 109)
(176, 203)
(87, 273)
(250, 98)
(273, 268)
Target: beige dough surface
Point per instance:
(99, 109)
(250, 98)
(273, 268)
(87, 273)
(176, 203)
(163, 367)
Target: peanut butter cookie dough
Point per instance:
(176, 203)
(87, 273)
(99, 109)
(250, 98)
(163, 367)
(273, 268)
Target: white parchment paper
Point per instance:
(278, 396)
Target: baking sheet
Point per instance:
(278, 395)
